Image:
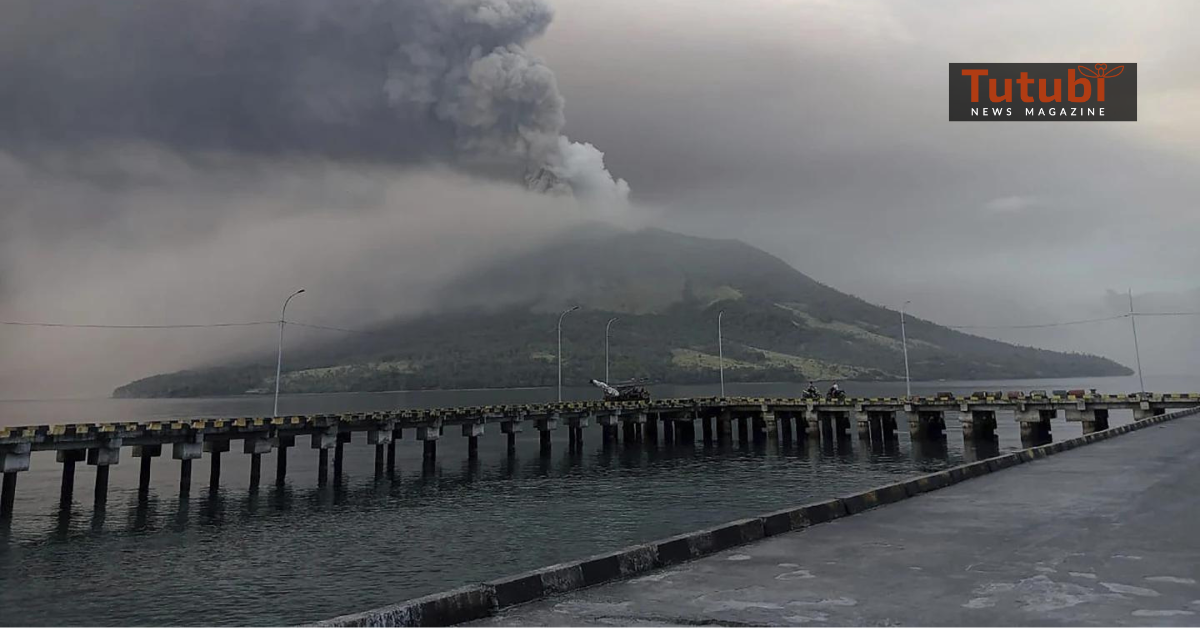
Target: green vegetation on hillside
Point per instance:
(779, 325)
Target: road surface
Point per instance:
(1107, 534)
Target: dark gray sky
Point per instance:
(817, 130)
(163, 163)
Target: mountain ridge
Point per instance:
(497, 328)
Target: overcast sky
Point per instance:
(816, 130)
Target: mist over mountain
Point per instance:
(497, 328)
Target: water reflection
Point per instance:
(425, 515)
(930, 450)
(1036, 439)
(981, 449)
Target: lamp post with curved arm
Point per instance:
(721, 352)
(560, 319)
(904, 341)
(279, 354)
(606, 327)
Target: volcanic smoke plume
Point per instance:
(464, 61)
(409, 81)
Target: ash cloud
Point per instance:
(224, 238)
(406, 81)
(167, 161)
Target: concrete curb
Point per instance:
(483, 600)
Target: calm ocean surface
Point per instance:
(300, 553)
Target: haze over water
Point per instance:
(301, 553)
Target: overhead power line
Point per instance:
(330, 328)
(98, 326)
(385, 333)
(1168, 313)
(1043, 325)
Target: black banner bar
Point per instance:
(1043, 92)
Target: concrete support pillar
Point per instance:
(185, 453)
(632, 427)
(1145, 411)
(14, 459)
(380, 453)
(769, 426)
(758, 428)
(382, 436)
(472, 431)
(576, 426)
(511, 429)
(68, 458)
(668, 430)
(215, 448)
(688, 427)
(322, 467)
(639, 421)
(429, 435)
(650, 428)
(608, 428)
(545, 427)
(185, 476)
(841, 423)
(812, 423)
(743, 429)
(862, 420)
(785, 427)
(914, 423)
(978, 424)
(255, 471)
(147, 453)
(339, 455)
(397, 434)
(887, 424)
(102, 484)
(102, 457)
(926, 424)
(8, 494)
(1035, 424)
(284, 442)
(724, 426)
(256, 447)
(1093, 420)
(323, 441)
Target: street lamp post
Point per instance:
(904, 342)
(279, 355)
(609, 324)
(1136, 351)
(721, 352)
(560, 319)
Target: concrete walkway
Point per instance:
(1107, 534)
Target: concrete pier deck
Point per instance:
(1107, 534)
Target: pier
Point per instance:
(1100, 535)
(633, 424)
(1096, 529)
